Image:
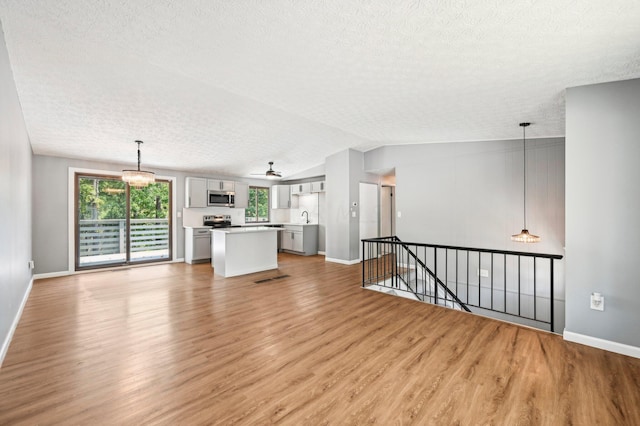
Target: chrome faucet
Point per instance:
(307, 215)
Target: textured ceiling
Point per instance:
(225, 86)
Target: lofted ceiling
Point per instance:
(223, 87)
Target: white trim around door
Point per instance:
(71, 210)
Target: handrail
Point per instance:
(475, 249)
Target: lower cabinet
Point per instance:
(300, 239)
(197, 245)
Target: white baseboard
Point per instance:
(344, 262)
(51, 275)
(14, 325)
(65, 273)
(607, 345)
(321, 253)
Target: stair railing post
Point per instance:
(394, 266)
(363, 261)
(551, 296)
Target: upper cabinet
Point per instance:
(220, 185)
(242, 195)
(317, 186)
(280, 197)
(300, 188)
(196, 192)
(307, 188)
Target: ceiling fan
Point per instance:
(269, 173)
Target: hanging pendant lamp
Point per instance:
(524, 236)
(138, 178)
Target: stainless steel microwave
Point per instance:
(220, 198)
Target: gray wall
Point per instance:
(50, 207)
(603, 205)
(344, 171)
(337, 203)
(471, 194)
(15, 200)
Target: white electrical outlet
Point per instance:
(597, 301)
(32, 264)
(484, 273)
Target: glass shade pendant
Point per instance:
(138, 178)
(524, 236)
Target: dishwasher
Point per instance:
(198, 245)
(201, 244)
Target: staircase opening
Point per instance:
(507, 285)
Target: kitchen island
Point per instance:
(239, 251)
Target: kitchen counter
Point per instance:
(278, 224)
(240, 251)
(246, 229)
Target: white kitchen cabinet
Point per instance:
(300, 188)
(242, 195)
(280, 197)
(300, 239)
(318, 186)
(195, 192)
(220, 185)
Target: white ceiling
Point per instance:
(225, 86)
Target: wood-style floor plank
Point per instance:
(174, 344)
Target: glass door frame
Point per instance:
(74, 228)
(169, 225)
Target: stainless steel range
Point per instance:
(218, 221)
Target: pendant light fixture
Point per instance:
(138, 178)
(524, 236)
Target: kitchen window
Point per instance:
(258, 208)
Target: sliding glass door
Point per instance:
(118, 225)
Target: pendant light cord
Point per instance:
(138, 142)
(524, 167)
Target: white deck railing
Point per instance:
(109, 237)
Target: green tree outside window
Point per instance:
(258, 208)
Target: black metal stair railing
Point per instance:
(406, 276)
(516, 284)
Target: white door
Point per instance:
(368, 212)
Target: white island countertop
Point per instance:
(276, 224)
(245, 230)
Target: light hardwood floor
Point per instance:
(174, 344)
